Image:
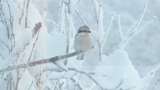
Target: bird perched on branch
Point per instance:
(83, 41)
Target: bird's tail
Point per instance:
(81, 56)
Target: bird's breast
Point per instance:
(83, 42)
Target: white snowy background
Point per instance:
(125, 57)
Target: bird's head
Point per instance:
(84, 29)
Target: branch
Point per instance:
(151, 75)
(108, 29)
(138, 31)
(5, 45)
(51, 21)
(43, 61)
(20, 19)
(26, 17)
(81, 18)
(154, 88)
(119, 26)
(140, 19)
(1, 56)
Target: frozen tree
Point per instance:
(36, 52)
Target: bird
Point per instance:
(83, 41)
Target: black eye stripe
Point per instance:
(84, 31)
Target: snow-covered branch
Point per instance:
(136, 29)
(151, 75)
(43, 61)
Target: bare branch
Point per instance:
(20, 19)
(81, 18)
(76, 83)
(36, 28)
(43, 61)
(2, 56)
(30, 86)
(156, 84)
(120, 83)
(5, 45)
(26, 17)
(95, 8)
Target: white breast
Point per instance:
(83, 42)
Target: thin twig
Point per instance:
(2, 56)
(81, 18)
(140, 18)
(108, 28)
(77, 82)
(34, 44)
(119, 26)
(155, 85)
(5, 45)
(30, 86)
(51, 21)
(138, 31)
(20, 19)
(26, 17)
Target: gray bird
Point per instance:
(83, 41)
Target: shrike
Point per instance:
(83, 41)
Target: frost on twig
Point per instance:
(151, 75)
(108, 28)
(43, 61)
(66, 23)
(103, 34)
(136, 29)
(54, 23)
(101, 44)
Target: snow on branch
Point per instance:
(140, 29)
(136, 29)
(151, 74)
(108, 28)
(140, 18)
(43, 61)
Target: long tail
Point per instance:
(81, 56)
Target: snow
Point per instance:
(23, 83)
(129, 59)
